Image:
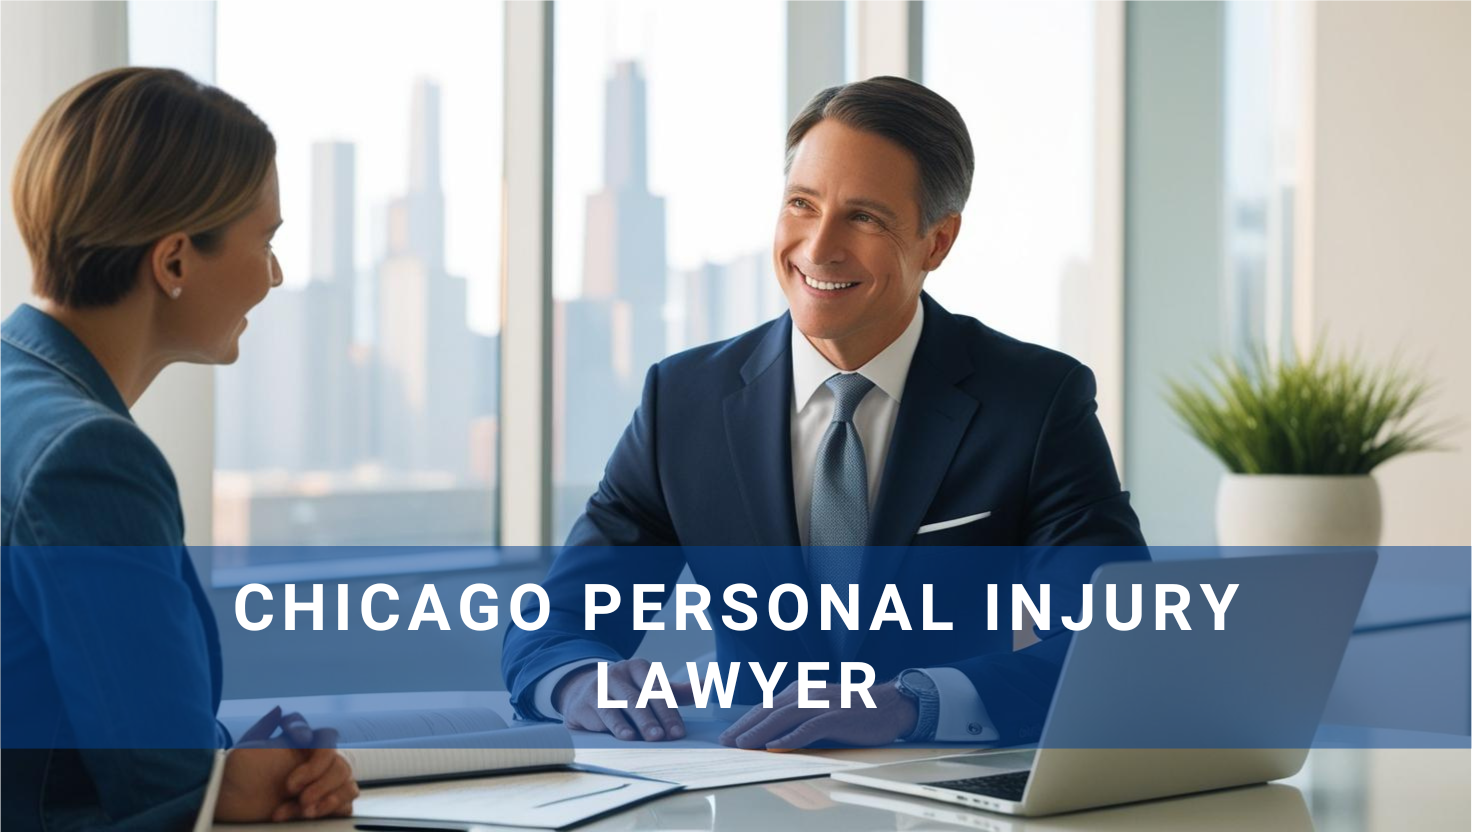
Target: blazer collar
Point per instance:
(933, 419)
(32, 331)
(758, 433)
(934, 415)
(757, 429)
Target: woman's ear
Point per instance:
(166, 263)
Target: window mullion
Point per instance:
(526, 280)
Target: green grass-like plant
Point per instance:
(1323, 415)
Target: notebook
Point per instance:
(428, 768)
(415, 745)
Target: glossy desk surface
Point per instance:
(1338, 789)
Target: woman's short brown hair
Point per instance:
(124, 159)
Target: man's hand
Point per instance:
(785, 725)
(576, 698)
(295, 775)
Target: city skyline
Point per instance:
(606, 339)
(410, 410)
(409, 400)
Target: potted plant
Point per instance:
(1299, 439)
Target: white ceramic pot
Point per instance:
(1297, 510)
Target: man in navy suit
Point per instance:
(868, 415)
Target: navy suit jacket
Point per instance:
(111, 657)
(986, 424)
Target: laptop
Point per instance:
(1210, 709)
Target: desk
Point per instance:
(1357, 790)
(1338, 789)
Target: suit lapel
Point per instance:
(933, 418)
(758, 433)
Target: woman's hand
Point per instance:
(295, 775)
(323, 785)
(254, 785)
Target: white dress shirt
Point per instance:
(812, 411)
(963, 717)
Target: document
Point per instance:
(710, 768)
(545, 800)
(698, 761)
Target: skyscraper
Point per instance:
(424, 205)
(296, 354)
(329, 378)
(624, 250)
(334, 201)
(380, 428)
(723, 300)
(615, 330)
(424, 346)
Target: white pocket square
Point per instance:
(951, 524)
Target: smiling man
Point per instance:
(868, 416)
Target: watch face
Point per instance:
(917, 681)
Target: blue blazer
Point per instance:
(986, 424)
(110, 650)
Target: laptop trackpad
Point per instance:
(1000, 762)
(959, 767)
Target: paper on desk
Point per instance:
(710, 768)
(699, 733)
(698, 761)
(545, 800)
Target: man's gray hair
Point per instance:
(915, 118)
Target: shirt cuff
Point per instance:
(542, 697)
(963, 716)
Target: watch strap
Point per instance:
(927, 706)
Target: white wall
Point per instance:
(45, 48)
(1386, 219)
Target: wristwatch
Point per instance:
(918, 685)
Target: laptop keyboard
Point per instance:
(1007, 786)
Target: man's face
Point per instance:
(849, 250)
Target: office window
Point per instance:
(1262, 79)
(1022, 75)
(364, 409)
(667, 154)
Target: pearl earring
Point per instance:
(175, 292)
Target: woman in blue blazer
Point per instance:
(147, 202)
